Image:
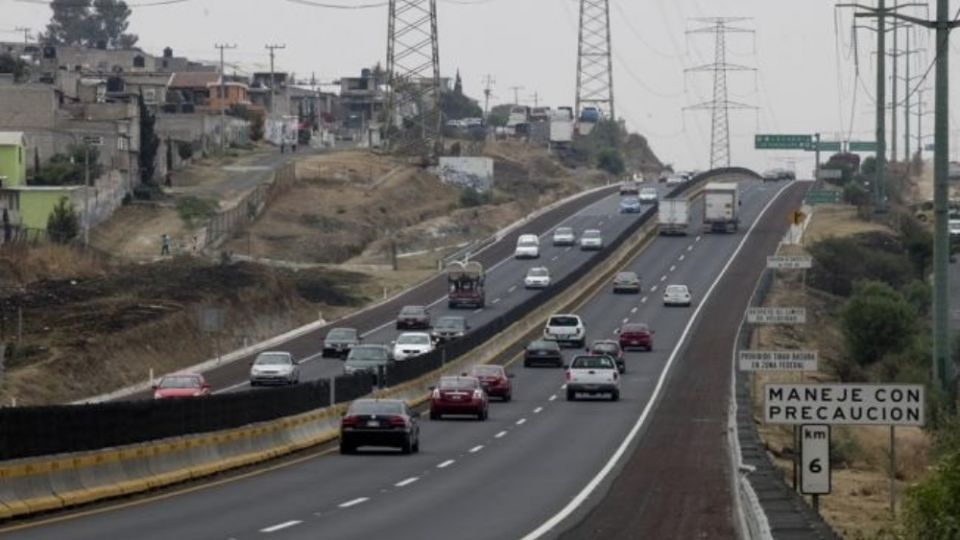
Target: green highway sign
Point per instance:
(782, 142)
(825, 146)
(822, 196)
(863, 146)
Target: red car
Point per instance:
(458, 395)
(494, 379)
(636, 336)
(181, 385)
(612, 349)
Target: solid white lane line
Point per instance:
(634, 310)
(553, 398)
(495, 300)
(643, 300)
(537, 410)
(354, 502)
(446, 464)
(501, 434)
(280, 526)
(407, 482)
(476, 449)
(682, 256)
(512, 288)
(673, 267)
(521, 421)
(591, 486)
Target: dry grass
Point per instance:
(838, 220)
(21, 264)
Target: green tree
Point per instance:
(19, 68)
(932, 507)
(869, 167)
(457, 105)
(149, 143)
(89, 22)
(499, 114)
(63, 224)
(876, 321)
(610, 160)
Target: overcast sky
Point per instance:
(802, 50)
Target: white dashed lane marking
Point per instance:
(625, 319)
(280, 526)
(673, 267)
(690, 248)
(653, 289)
(634, 310)
(682, 256)
(446, 464)
(643, 300)
(537, 410)
(553, 398)
(354, 502)
(476, 449)
(495, 300)
(521, 421)
(406, 482)
(663, 278)
(478, 310)
(512, 288)
(501, 434)
(554, 257)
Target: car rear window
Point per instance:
(450, 323)
(459, 383)
(369, 354)
(676, 289)
(634, 328)
(538, 272)
(605, 347)
(564, 231)
(486, 371)
(564, 320)
(273, 359)
(412, 311)
(592, 362)
(178, 381)
(543, 345)
(376, 407)
(591, 234)
(627, 276)
(342, 333)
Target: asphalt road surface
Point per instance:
(508, 476)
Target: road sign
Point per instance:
(849, 404)
(778, 360)
(830, 174)
(93, 140)
(814, 459)
(782, 142)
(862, 146)
(822, 196)
(789, 262)
(825, 146)
(776, 315)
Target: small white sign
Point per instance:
(814, 459)
(778, 360)
(830, 174)
(790, 261)
(776, 315)
(846, 404)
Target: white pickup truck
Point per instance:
(565, 329)
(593, 374)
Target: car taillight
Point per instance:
(478, 394)
(436, 393)
(350, 421)
(568, 375)
(397, 421)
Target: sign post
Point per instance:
(815, 471)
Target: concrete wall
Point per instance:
(27, 105)
(201, 129)
(36, 204)
(13, 165)
(473, 172)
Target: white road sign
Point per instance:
(789, 261)
(776, 315)
(815, 459)
(778, 360)
(850, 404)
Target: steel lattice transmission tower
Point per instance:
(594, 64)
(720, 106)
(413, 115)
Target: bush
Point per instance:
(470, 197)
(856, 194)
(184, 149)
(876, 321)
(932, 508)
(63, 224)
(610, 160)
(838, 262)
(192, 209)
(920, 295)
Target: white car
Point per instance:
(676, 179)
(676, 295)
(565, 328)
(591, 239)
(564, 236)
(593, 374)
(648, 195)
(538, 277)
(274, 367)
(410, 344)
(528, 247)
(953, 226)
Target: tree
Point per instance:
(63, 224)
(499, 115)
(869, 167)
(610, 160)
(149, 142)
(109, 22)
(458, 85)
(876, 321)
(88, 23)
(15, 66)
(456, 106)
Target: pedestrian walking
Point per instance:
(165, 245)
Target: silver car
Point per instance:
(564, 236)
(274, 368)
(676, 295)
(591, 239)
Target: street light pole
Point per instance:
(941, 194)
(86, 194)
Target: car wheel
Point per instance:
(416, 445)
(347, 449)
(407, 446)
(571, 395)
(434, 415)
(508, 396)
(526, 364)
(615, 395)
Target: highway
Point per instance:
(503, 478)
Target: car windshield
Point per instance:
(591, 233)
(342, 334)
(413, 339)
(273, 359)
(185, 381)
(605, 346)
(367, 354)
(459, 383)
(412, 311)
(538, 272)
(528, 242)
(592, 362)
(486, 371)
(626, 276)
(676, 289)
(564, 231)
(450, 323)
(563, 320)
(372, 406)
(648, 191)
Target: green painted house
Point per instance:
(13, 159)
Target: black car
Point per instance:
(626, 282)
(372, 359)
(449, 328)
(339, 341)
(413, 318)
(543, 352)
(379, 422)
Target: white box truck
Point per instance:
(673, 216)
(721, 207)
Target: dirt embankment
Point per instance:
(102, 326)
(859, 507)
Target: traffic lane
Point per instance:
(686, 435)
(425, 292)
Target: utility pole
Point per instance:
(594, 58)
(273, 78)
(26, 34)
(516, 94)
(488, 82)
(223, 97)
(536, 99)
(720, 106)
